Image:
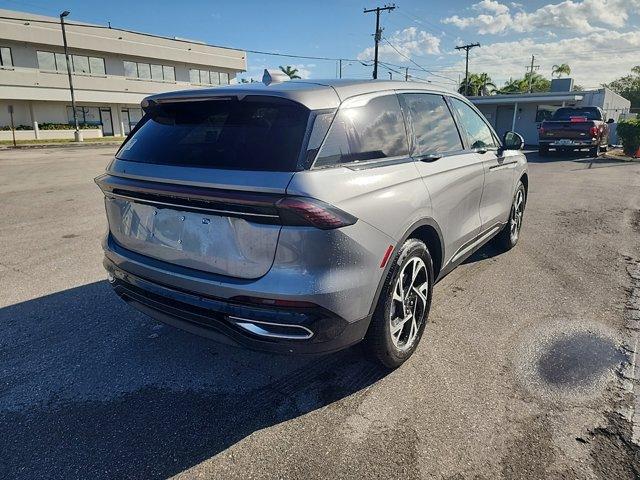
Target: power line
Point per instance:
(378, 34)
(420, 67)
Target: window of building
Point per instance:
(156, 72)
(86, 115)
(146, 71)
(169, 73)
(79, 63)
(207, 77)
(365, 129)
(433, 125)
(477, 131)
(46, 61)
(96, 66)
(5, 57)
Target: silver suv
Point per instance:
(306, 216)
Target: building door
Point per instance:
(126, 121)
(107, 122)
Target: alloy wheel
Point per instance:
(515, 221)
(409, 303)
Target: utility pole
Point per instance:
(532, 67)
(340, 68)
(77, 134)
(378, 34)
(466, 69)
(406, 74)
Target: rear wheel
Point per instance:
(508, 237)
(543, 151)
(594, 151)
(403, 307)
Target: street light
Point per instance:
(77, 135)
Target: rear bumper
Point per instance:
(568, 143)
(317, 330)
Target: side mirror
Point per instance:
(611, 120)
(512, 141)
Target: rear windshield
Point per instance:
(565, 113)
(255, 133)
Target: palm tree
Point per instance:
(559, 70)
(290, 71)
(479, 84)
(513, 85)
(485, 84)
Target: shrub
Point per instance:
(64, 126)
(18, 127)
(629, 134)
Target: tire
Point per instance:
(508, 237)
(543, 151)
(393, 335)
(594, 151)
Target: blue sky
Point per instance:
(596, 37)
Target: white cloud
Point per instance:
(579, 15)
(584, 54)
(409, 42)
(490, 6)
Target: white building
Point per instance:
(113, 70)
(523, 113)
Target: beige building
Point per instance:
(113, 70)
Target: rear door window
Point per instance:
(365, 128)
(433, 126)
(256, 133)
(477, 131)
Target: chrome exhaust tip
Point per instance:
(272, 330)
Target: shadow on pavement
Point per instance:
(91, 389)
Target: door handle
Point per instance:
(431, 157)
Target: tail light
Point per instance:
(577, 119)
(311, 212)
(593, 131)
(541, 130)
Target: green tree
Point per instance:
(521, 85)
(559, 70)
(480, 84)
(628, 86)
(291, 72)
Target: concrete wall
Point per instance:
(49, 134)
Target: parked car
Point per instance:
(306, 216)
(575, 128)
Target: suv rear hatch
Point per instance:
(200, 183)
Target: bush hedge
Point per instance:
(50, 126)
(629, 134)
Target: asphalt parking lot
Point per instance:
(520, 374)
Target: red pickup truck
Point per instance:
(574, 128)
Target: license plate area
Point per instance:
(213, 243)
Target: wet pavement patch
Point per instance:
(577, 359)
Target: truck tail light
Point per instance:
(541, 130)
(593, 131)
